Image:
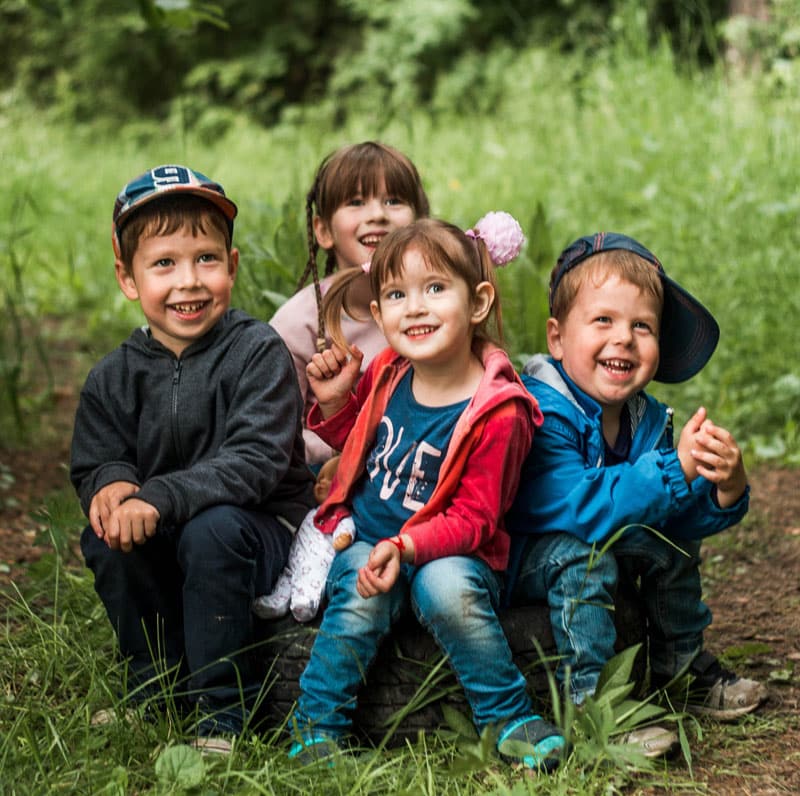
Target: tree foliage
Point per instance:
(122, 60)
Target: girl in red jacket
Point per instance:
(432, 441)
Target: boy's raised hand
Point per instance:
(686, 444)
(718, 458)
(332, 375)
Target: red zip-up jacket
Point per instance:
(480, 472)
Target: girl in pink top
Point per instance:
(360, 194)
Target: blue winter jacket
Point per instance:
(565, 486)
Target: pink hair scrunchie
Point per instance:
(502, 235)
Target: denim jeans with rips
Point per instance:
(455, 598)
(579, 586)
(180, 604)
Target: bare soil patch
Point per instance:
(752, 584)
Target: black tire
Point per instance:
(408, 683)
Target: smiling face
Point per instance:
(608, 341)
(183, 282)
(359, 224)
(428, 315)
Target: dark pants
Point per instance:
(181, 603)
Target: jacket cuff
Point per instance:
(675, 479)
(159, 496)
(108, 474)
(335, 428)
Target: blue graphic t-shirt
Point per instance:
(402, 468)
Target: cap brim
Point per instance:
(688, 337)
(226, 206)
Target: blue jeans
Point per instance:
(181, 603)
(454, 598)
(579, 587)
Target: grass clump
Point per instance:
(58, 666)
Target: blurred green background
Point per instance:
(672, 121)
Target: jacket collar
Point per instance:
(550, 372)
(499, 383)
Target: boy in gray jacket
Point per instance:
(187, 455)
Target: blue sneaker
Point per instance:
(314, 747)
(533, 742)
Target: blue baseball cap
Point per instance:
(164, 180)
(688, 333)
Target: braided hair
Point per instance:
(354, 169)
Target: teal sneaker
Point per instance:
(313, 748)
(532, 742)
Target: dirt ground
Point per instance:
(752, 583)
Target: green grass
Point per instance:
(57, 666)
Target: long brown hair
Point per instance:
(444, 247)
(343, 174)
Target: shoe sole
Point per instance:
(212, 746)
(731, 714)
(108, 716)
(661, 744)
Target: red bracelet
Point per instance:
(398, 543)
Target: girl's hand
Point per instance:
(687, 441)
(718, 458)
(381, 571)
(332, 375)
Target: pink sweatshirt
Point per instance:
(296, 323)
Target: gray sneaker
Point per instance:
(652, 741)
(719, 693)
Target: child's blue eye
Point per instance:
(164, 262)
(393, 295)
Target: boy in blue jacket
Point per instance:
(188, 456)
(604, 460)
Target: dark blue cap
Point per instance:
(163, 180)
(688, 333)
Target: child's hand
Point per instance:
(380, 572)
(686, 442)
(132, 522)
(105, 502)
(331, 375)
(718, 458)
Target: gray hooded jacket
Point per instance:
(222, 424)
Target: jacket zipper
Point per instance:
(667, 425)
(176, 439)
